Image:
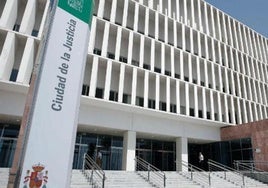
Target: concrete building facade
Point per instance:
(160, 76)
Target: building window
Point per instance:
(99, 93)
(173, 108)
(126, 99)
(123, 59)
(162, 106)
(16, 27)
(35, 33)
(135, 63)
(13, 76)
(151, 103)
(113, 96)
(156, 69)
(110, 55)
(97, 51)
(85, 90)
(139, 101)
(145, 66)
(191, 112)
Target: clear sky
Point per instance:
(253, 13)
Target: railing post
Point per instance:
(103, 180)
(243, 179)
(148, 172)
(209, 179)
(191, 172)
(164, 180)
(84, 158)
(225, 175)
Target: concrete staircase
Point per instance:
(178, 179)
(4, 173)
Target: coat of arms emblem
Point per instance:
(76, 4)
(36, 178)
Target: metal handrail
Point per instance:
(249, 165)
(153, 174)
(93, 172)
(215, 166)
(248, 168)
(203, 176)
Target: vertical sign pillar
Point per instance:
(47, 154)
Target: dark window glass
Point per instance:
(156, 69)
(13, 76)
(246, 143)
(110, 55)
(99, 93)
(85, 90)
(235, 144)
(151, 103)
(35, 33)
(113, 96)
(11, 132)
(191, 112)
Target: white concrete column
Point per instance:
(161, 6)
(206, 19)
(118, 43)
(250, 42)
(191, 41)
(121, 83)
(178, 105)
(224, 29)
(134, 86)
(244, 88)
(163, 66)
(152, 54)
(168, 94)
(213, 76)
(94, 75)
(246, 39)
(7, 56)
(213, 23)
(219, 24)
(239, 116)
(245, 114)
(42, 24)
(136, 17)
(108, 80)
(105, 39)
(125, 13)
(181, 65)
(193, 14)
(166, 29)
(181, 153)
(226, 80)
(255, 112)
(233, 83)
(129, 151)
(199, 16)
(212, 111)
(235, 34)
(213, 50)
(190, 68)
(187, 99)
(226, 56)
(146, 25)
(259, 47)
(130, 47)
(204, 103)
(141, 51)
(27, 62)
(220, 78)
(157, 91)
(178, 10)
(172, 62)
(240, 36)
(199, 44)
(28, 19)
(230, 31)
(9, 14)
(113, 11)
(198, 71)
(206, 47)
(206, 73)
(150, 4)
(101, 8)
(92, 35)
(185, 11)
(232, 110)
(250, 113)
(175, 33)
(226, 108)
(169, 8)
(183, 38)
(156, 25)
(146, 88)
(219, 106)
(196, 101)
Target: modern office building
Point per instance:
(162, 78)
